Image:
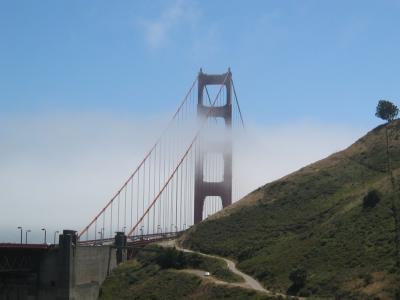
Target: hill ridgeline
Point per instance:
(327, 230)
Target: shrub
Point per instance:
(367, 279)
(193, 260)
(298, 277)
(262, 273)
(371, 199)
(397, 294)
(171, 258)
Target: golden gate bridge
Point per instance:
(187, 175)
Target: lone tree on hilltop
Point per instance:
(386, 110)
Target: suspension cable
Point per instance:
(142, 162)
(180, 161)
(237, 103)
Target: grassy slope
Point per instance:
(144, 279)
(184, 260)
(314, 218)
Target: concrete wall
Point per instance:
(20, 271)
(66, 272)
(91, 266)
(48, 275)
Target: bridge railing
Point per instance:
(134, 239)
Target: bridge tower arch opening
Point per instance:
(222, 145)
(212, 204)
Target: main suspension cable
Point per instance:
(237, 103)
(180, 161)
(142, 162)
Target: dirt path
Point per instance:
(249, 282)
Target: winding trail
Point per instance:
(249, 282)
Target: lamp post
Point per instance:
(20, 228)
(101, 239)
(26, 236)
(45, 235)
(55, 234)
(141, 232)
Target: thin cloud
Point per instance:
(276, 151)
(57, 172)
(157, 31)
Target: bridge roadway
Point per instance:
(135, 240)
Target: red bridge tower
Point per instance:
(223, 188)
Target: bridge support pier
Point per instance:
(203, 188)
(67, 242)
(120, 244)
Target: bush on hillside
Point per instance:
(171, 258)
(298, 277)
(371, 199)
(397, 294)
(367, 278)
(193, 260)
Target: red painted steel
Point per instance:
(180, 162)
(140, 165)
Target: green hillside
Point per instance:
(315, 220)
(159, 273)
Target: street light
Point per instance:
(26, 236)
(20, 228)
(141, 232)
(101, 239)
(45, 233)
(55, 234)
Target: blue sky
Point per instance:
(320, 60)
(86, 87)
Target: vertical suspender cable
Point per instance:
(154, 186)
(125, 210)
(149, 199)
(111, 219)
(118, 212)
(142, 162)
(144, 188)
(131, 203)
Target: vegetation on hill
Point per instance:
(168, 258)
(326, 230)
(157, 274)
